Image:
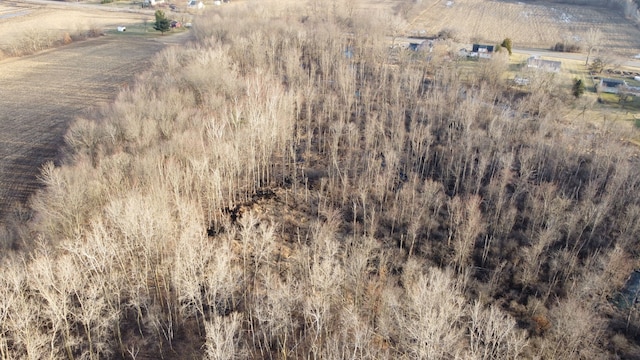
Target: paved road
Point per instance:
(567, 56)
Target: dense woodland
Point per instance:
(290, 187)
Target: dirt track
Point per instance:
(41, 94)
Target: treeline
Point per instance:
(287, 187)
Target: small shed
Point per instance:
(611, 86)
(630, 294)
(546, 65)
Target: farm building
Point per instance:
(611, 86)
(546, 65)
(482, 51)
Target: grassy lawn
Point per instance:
(588, 109)
(516, 64)
(629, 104)
(138, 29)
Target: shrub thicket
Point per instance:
(566, 47)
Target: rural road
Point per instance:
(40, 95)
(568, 56)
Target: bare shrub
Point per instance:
(575, 331)
(222, 337)
(447, 34)
(32, 41)
(566, 47)
(430, 323)
(66, 38)
(494, 335)
(94, 31)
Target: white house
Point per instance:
(482, 51)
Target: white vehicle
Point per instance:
(194, 4)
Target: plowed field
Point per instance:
(41, 94)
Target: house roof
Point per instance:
(612, 82)
(477, 47)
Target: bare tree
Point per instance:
(592, 40)
(222, 337)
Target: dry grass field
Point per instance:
(42, 93)
(17, 19)
(528, 24)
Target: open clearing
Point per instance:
(528, 24)
(42, 93)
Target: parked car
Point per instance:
(173, 7)
(194, 4)
(175, 24)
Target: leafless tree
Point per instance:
(592, 40)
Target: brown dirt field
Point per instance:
(42, 93)
(527, 23)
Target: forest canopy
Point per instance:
(290, 186)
